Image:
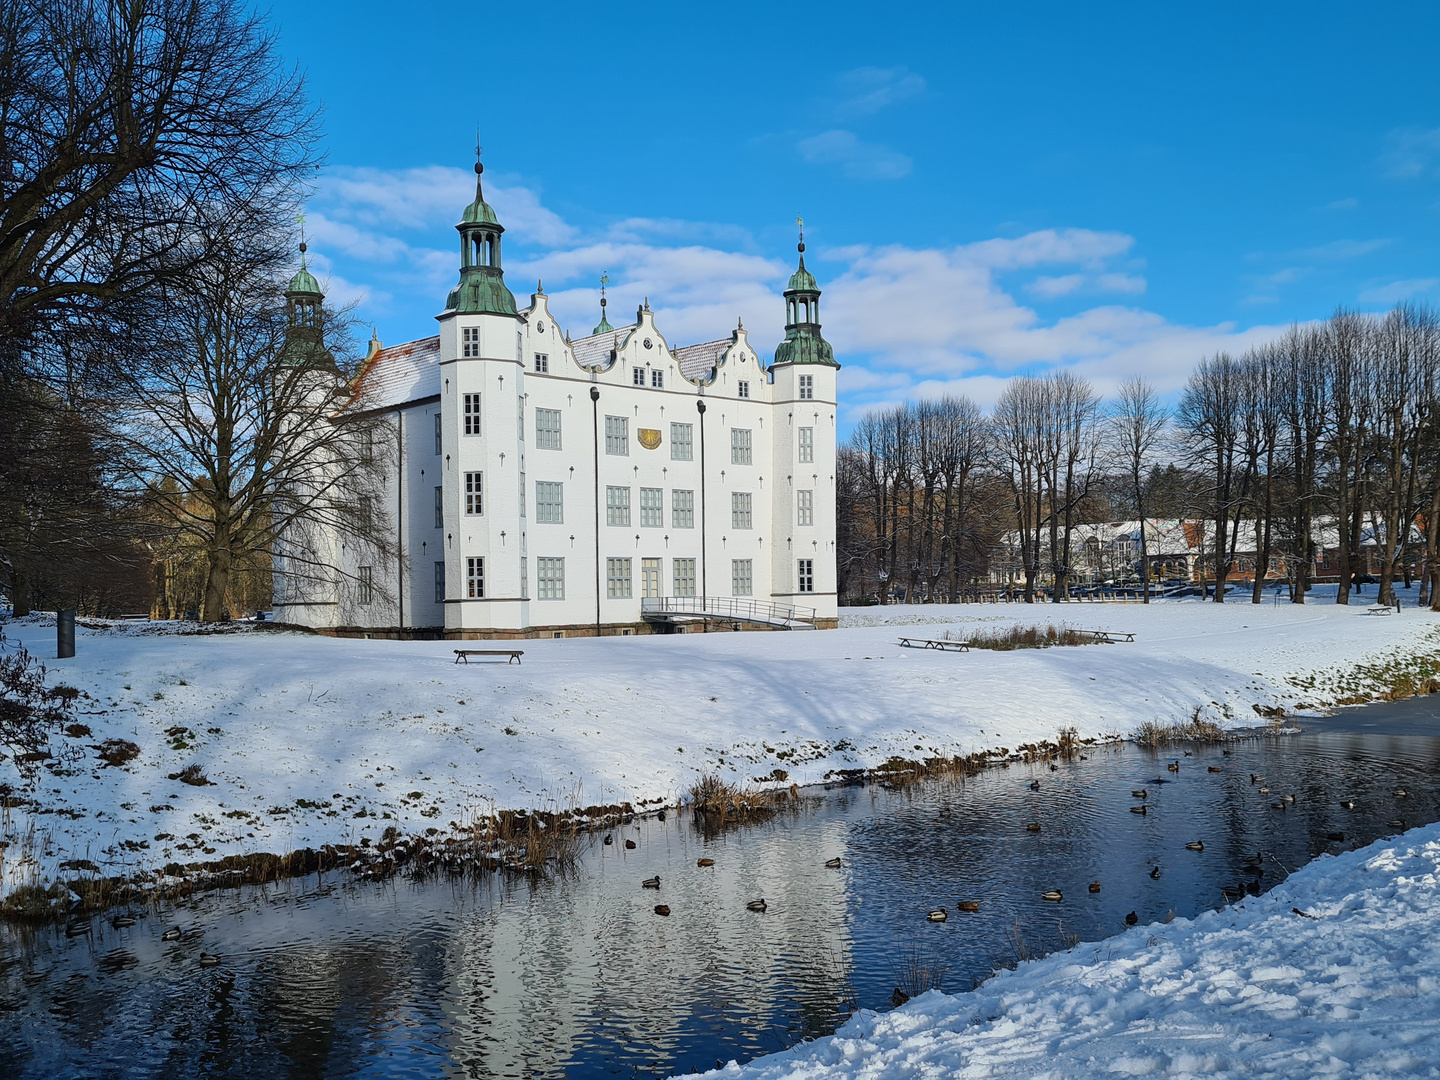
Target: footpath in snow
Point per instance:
(299, 740)
(1346, 989)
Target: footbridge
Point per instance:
(679, 610)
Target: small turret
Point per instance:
(304, 321)
(603, 326)
(803, 342)
(482, 288)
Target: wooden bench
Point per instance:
(1110, 637)
(513, 654)
(934, 643)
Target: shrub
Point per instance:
(29, 711)
(1027, 637)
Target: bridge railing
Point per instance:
(726, 607)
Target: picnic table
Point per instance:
(934, 643)
(513, 654)
(1110, 637)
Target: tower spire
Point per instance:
(482, 288)
(603, 326)
(803, 342)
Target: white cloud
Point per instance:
(1345, 249)
(1120, 283)
(1410, 153)
(856, 158)
(1046, 246)
(1398, 291)
(867, 90)
(1047, 288)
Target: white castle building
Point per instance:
(615, 483)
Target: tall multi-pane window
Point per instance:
(682, 509)
(637, 376)
(547, 429)
(652, 507)
(542, 363)
(439, 507)
(475, 577)
(617, 435)
(617, 579)
(549, 502)
(657, 379)
(807, 387)
(524, 578)
(740, 446)
(439, 446)
(520, 421)
(617, 506)
(550, 578)
(439, 582)
(742, 577)
(365, 585)
(805, 508)
(805, 575)
(807, 444)
(740, 510)
(474, 500)
(522, 493)
(742, 389)
(470, 341)
(682, 445)
(684, 577)
(364, 513)
(472, 414)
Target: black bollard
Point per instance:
(64, 633)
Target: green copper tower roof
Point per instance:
(603, 326)
(304, 322)
(482, 289)
(803, 342)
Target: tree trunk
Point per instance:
(19, 594)
(217, 583)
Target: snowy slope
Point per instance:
(1254, 991)
(307, 740)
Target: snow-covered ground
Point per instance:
(306, 740)
(1256, 990)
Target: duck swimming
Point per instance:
(832, 864)
(969, 905)
(756, 905)
(651, 883)
(1052, 894)
(938, 915)
(1195, 845)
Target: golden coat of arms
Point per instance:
(649, 437)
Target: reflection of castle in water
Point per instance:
(577, 965)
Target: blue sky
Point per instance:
(987, 188)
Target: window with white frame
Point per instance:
(522, 494)
(742, 389)
(439, 582)
(474, 493)
(804, 508)
(617, 505)
(550, 578)
(365, 585)
(682, 509)
(524, 579)
(740, 510)
(807, 387)
(439, 507)
(807, 445)
(805, 575)
(617, 435)
(542, 363)
(618, 585)
(520, 420)
(472, 414)
(637, 376)
(470, 341)
(684, 577)
(682, 445)
(439, 446)
(547, 429)
(740, 446)
(657, 379)
(652, 508)
(364, 513)
(742, 577)
(475, 577)
(549, 502)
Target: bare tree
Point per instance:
(1019, 448)
(1208, 415)
(1136, 424)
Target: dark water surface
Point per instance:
(578, 977)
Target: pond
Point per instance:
(579, 977)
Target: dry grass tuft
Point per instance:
(1027, 637)
(116, 752)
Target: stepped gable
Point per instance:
(395, 374)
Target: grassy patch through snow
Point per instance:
(1004, 639)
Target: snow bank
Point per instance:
(1251, 991)
(304, 740)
